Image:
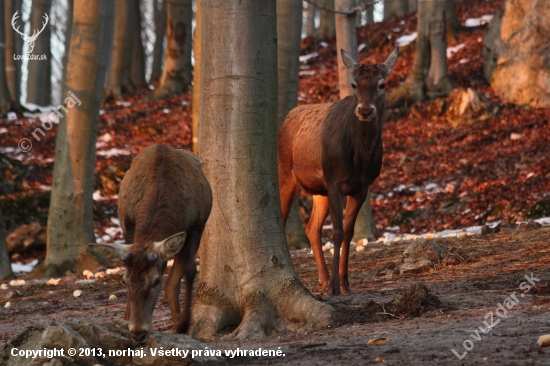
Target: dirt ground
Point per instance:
(477, 275)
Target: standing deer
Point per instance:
(334, 150)
(29, 39)
(164, 203)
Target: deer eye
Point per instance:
(354, 86)
(156, 283)
(382, 86)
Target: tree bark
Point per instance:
(197, 77)
(370, 14)
(346, 38)
(310, 20)
(5, 96)
(68, 31)
(413, 5)
(39, 85)
(176, 74)
(70, 221)
(289, 36)
(137, 63)
(5, 263)
(160, 31)
(119, 81)
(430, 57)
(453, 25)
(14, 46)
(327, 25)
(395, 8)
(246, 276)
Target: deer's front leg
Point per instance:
(335, 200)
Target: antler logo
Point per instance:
(29, 39)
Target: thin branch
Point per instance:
(352, 11)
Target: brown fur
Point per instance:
(164, 193)
(334, 150)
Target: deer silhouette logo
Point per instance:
(29, 39)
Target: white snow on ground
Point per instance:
(98, 197)
(35, 107)
(113, 152)
(3, 130)
(124, 103)
(406, 39)
(7, 150)
(19, 268)
(475, 22)
(452, 50)
(306, 58)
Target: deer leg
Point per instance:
(352, 209)
(190, 251)
(313, 232)
(335, 205)
(288, 187)
(173, 284)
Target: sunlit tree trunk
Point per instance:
(196, 77)
(289, 29)
(430, 56)
(176, 74)
(39, 85)
(346, 38)
(119, 81)
(14, 46)
(137, 63)
(310, 20)
(246, 277)
(327, 25)
(160, 32)
(5, 263)
(70, 221)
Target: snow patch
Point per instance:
(113, 152)
(406, 39)
(452, 50)
(20, 268)
(306, 58)
(476, 22)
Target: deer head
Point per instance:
(29, 40)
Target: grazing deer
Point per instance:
(29, 39)
(334, 150)
(164, 203)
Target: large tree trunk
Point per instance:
(70, 221)
(310, 20)
(246, 276)
(5, 263)
(176, 74)
(5, 96)
(517, 53)
(160, 32)
(289, 36)
(346, 38)
(39, 85)
(197, 77)
(14, 46)
(137, 63)
(68, 32)
(119, 81)
(327, 25)
(430, 56)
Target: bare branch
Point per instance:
(350, 12)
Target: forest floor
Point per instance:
(434, 177)
(479, 273)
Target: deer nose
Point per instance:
(365, 111)
(139, 336)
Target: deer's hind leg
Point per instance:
(313, 232)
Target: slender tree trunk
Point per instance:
(197, 77)
(119, 81)
(359, 15)
(68, 31)
(289, 36)
(246, 276)
(176, 74)
(413, 5)
(137, 62)
(5, 96)
(5, 263)
(14, 46)
(39, 85)
(327, 26)
(70, 222)
(430, 29)
(310, 20)
(160, 32)
(451, 18)
(370, 14)
(346, 38)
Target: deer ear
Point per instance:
(349, 62)
(110, 255)
(391, 61)
(171, 246)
